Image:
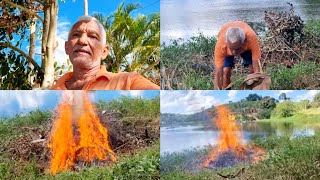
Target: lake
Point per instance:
(179, 139)
(186, 18)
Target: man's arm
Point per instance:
(218, 78)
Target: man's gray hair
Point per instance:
(235, 34)
(90, 18)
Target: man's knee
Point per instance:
(226, 72)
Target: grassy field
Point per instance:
(300, 118)
(20, 159)
(287, 158)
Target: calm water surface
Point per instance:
(185, 18)
(189, 137)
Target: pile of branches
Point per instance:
(32, 144)
(286, 41)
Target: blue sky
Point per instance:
(71, 10)
(188, 102)
(20, 102)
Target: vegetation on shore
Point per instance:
(292, 59)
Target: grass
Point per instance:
(287, 158)
(299, 120)
(189, 63)
(133, 108)
(300, 76)
(145, 164)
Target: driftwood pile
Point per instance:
(286, 41)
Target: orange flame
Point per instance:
(230, 138)
(77, 134)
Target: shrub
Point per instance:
(284, 109)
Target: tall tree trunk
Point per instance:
(85, 7)
(32, 48)
(51, 46)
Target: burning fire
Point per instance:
(230, 140)
(77, 134)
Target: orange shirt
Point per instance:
(251, 43)
(110, 81)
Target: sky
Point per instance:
(71, 10)
(21, 102)
(189, 102)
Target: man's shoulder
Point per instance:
(60, 83)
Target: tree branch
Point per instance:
(24, 9)
(40, 2)
(23, 54)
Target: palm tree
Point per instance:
(134, 42)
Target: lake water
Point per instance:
(189, 137)
(185, 18)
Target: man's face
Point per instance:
(85, 45)
(236, 47)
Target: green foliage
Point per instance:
(142, 166)
(317, 98)
(138, 108)
(189, 63)
(188, 160)
(284, 109)
(287, 158)
(194, 81)
(313, 27)
(253, 97)
(13, 71)
(300, 76)
(304, 104)
(138, 37)
(33, 118)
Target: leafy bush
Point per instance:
(133, 107)
(284, 109)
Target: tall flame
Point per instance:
(77, 134)
(230, 138)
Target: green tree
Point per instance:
(316, 98)
(18, 19)
(283, 96)
(284, 109)
(253, 97)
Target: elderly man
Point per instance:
(235, 38)
(86, 47)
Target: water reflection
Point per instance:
(189, 137)
(185, 18)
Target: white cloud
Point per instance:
(232, 95)
(309, 95)
(132, 93)
(186, 102)
(26, 100)
(62, 35)
(285, 91)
